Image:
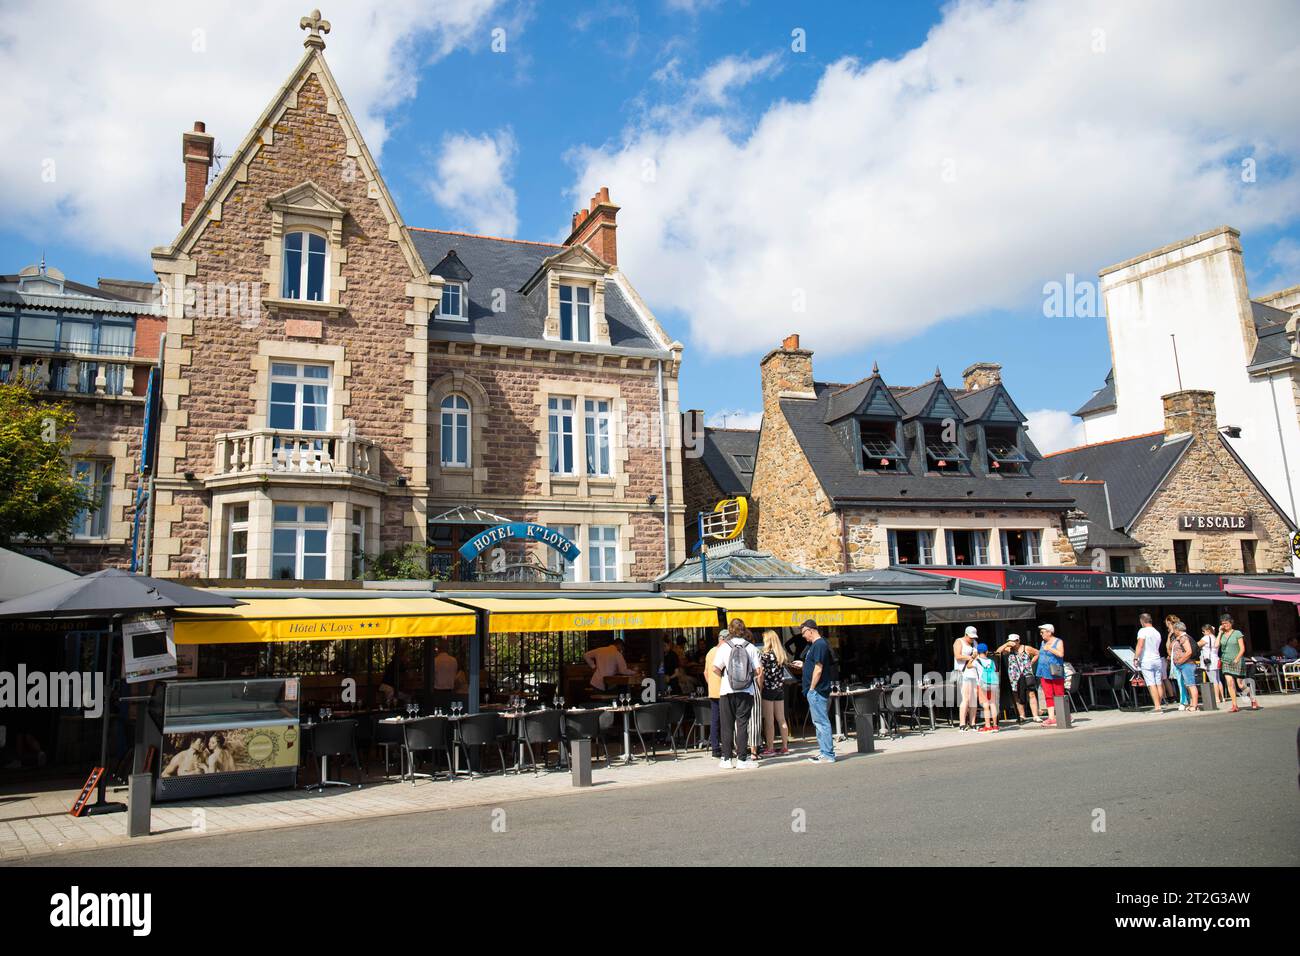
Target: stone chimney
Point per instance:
(196, 152)
(595, 227)
(786, 372)
(981, 375)
(1190, 411)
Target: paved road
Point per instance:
(1007, 802)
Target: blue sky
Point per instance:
(914, 173)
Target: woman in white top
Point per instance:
(1209, 645)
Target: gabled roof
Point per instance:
(840, 476)
(719, 453)
(931, 400)
(451, 268)
(1133, 469)
(1091, 497)
(507, 265)
(1102, 400)
(992, 404)
(870, 396)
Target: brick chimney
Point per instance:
(786, 371)
(981, 375)
(196, 152)
(595, 227)
(1190, 411)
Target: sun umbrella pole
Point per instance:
(101, 805)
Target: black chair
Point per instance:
(609, 724)
(366, 738)
(482, 730)
(676, 717)
(334, 738)
(543, 727)
(703, 722)
(389, 737)
(426, 735)
(585, 725)
(652, 719)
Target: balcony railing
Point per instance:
(75, 374)
(274, 451)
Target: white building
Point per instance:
(1180, 317)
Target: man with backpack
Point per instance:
(819, 672)
(737, 663)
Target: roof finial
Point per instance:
(875, 368)
(316, 26)
(42, 262)
(937, 373)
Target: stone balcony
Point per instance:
(77, 374)
(295, 457)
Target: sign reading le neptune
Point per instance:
(476, 545)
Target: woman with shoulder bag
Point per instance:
(1181, 659)
(1020, 669)
(1050, 670)
(774, 658)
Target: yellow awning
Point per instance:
(794, 610)
(513, 615)
(272, 620)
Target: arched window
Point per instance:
(304, 272)
(455, 432)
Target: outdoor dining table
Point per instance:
(838, 696)
(1091, 675)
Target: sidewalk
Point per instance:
(36, 824)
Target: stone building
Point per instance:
(1180, 500)
(336, 385)
(867, 475)
(722, 466)
(93, 348)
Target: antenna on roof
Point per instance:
(1177, 369)
(217, 157)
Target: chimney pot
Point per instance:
(596, 228)
(791, 342)
(196, 155)
(981, 375)
(1190, 411)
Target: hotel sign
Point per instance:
(521, 531)
(1199, 522)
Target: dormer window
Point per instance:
(575, 313)
(1005, 456)
(942, 455)
(454, 300)
(304, 272)
(880, 451)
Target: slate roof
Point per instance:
(1091, 497)
(1133, 468)
(1272, 346)
(1102, 399)
(837, 468)
(508, 264)
(721, 446)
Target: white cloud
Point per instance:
(1000, 154)
(471, 182)
(716, 83)
(1284, 264)
(104, 94)
(1054, 430)
(734, 418)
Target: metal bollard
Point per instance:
(580, 762)
(1207, 696)
(139, 804)
(1061, 707)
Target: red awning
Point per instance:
(1292, 597)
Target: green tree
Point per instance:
(39, 497)
(409, 563)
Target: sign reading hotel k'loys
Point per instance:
(522, 531)
(1199, 522)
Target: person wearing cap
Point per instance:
(715, 695)
(1050, 669)
(819, 672)
(1020, 669)
(988, 678)
(963, 657)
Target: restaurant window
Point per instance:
(1182, 548)
(880, 451)
(911, 547)
(453, 301)
(968, 547)
(575, 313)
(596, 420)
(357, 539)
(304, 269)
(602, 553)
(237, 542)
(556, 561)
(455, 432)
(1119, 564)
(1005, 456)
(941, 455)
(300, 396)
(299, 542)
(1021, 547)
(560, 429)
(97, 478)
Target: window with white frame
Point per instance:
(237, 541)
(602, 553)
(357, 538)
(596, 418)
(1021, 547)
(968, 547)
(300, 542)
(96, 476)
(556, 561)
(560, 432)
(300, 397)
(575, 313)
(304, 269)
(455, 432)
(911, 547)
(454, 301)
